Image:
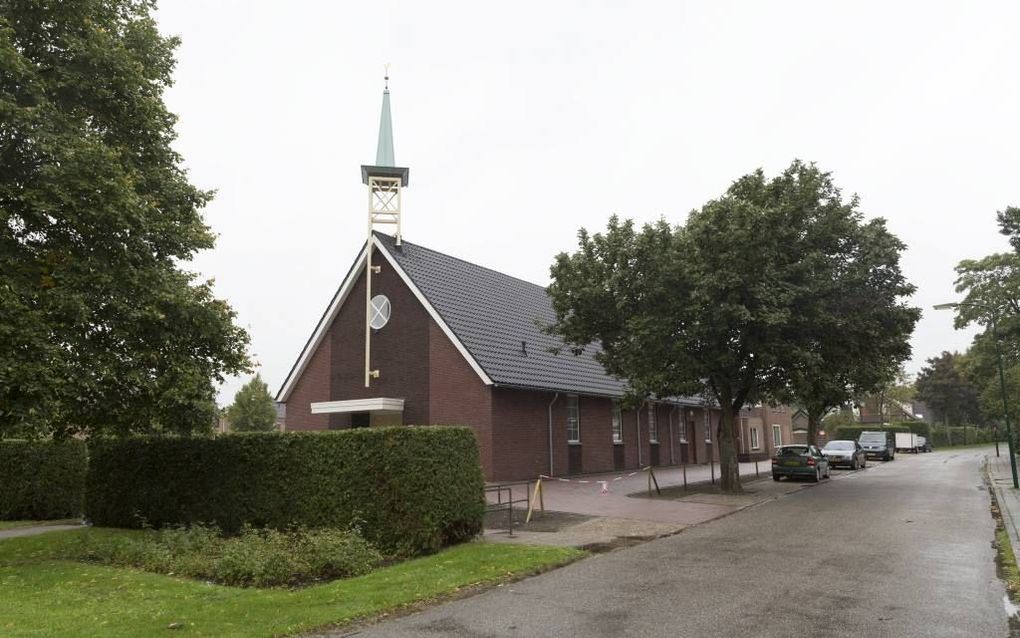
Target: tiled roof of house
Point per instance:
(492, 314)
(497, 317)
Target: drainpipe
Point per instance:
(637, 421)
(551, 473)
(672, 454)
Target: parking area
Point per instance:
(609, 509)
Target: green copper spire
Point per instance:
(385, 163)
(384, 152)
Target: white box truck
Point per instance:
(907, 442)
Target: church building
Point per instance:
(417, 337)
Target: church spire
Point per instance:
(384, 151)
(385, 182)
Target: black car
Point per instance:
(878, 445)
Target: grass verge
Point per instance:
(4, 525)
(47, 596)
(1005, 559)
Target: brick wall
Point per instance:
(457, 395)
(311, 387)
(400, 350)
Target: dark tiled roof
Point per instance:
(492, 313)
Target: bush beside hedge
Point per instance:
(42, 480)
(409, 489)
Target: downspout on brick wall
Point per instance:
(637, 426)
(551, 472)
(672, 454)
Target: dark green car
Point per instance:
(799, 460)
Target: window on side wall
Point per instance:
(683, 429)
(653, 426)
(708, 430)
(617, 423)
(743, 428)
(573, 420)
(755, 443)
(777, 435)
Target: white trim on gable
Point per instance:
(433, 313)
(320, 328)
(338, 301)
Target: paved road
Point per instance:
(902, 549)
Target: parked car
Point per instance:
(925, 446)
(799, 460)
(878, 445)
(848, 453)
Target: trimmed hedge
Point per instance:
(962, 435)
(853, 432)
(42, 480)
(409, 489)
(936, 435)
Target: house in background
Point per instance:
(762, 429)
(414, 336)
(877, 409)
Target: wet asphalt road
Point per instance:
(900, 549)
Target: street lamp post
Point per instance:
(1002, 379)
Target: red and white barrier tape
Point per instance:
(618, 478)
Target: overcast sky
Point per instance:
(523, 122)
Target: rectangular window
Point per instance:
(683, 430)
(708, 429)
(777, 435)
(755, 443)
(617, 423)
(653, 427)
(743, 428)
(573, 420)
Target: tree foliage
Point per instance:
(101, 328)
(946, 390)
(860, 328)
(991, 294)
(253, 409)
(735, 303)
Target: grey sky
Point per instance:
(522, 125)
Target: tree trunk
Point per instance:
(812, 428)
(729, 467)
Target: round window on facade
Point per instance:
(379, 315)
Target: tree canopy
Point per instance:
(102, 329)
(737, 302)
(947, 391)
(991, 291)
(253, 409)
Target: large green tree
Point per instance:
(991, 289)
(253, 409)
(101, 329)
(728, 304)
(947, 391)
(859, 332)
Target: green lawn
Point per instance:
(46, 596)
(16, 524)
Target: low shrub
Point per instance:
(254, 558)
(42, 480)
(409, 489)
(960, 435)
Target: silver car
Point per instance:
(846, 453)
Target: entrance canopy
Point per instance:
(380, 405)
